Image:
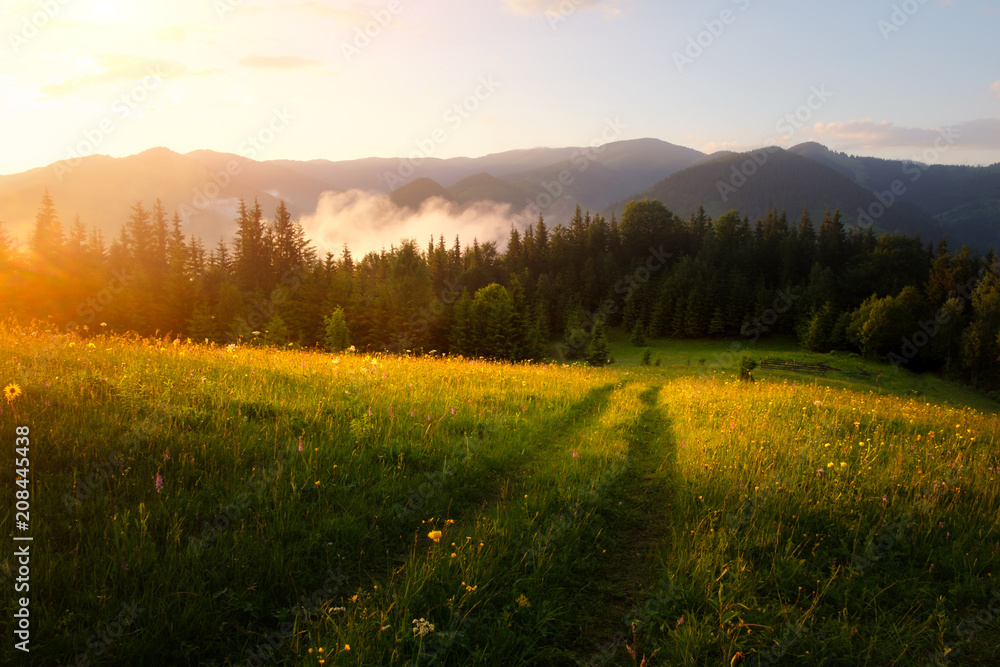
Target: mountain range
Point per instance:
(205, 186)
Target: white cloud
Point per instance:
(370, 221)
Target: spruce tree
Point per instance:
(599, 352)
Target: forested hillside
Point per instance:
(548, 294)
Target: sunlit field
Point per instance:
(207, 505)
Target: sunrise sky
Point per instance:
(121, 76)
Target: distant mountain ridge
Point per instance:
(204, 186)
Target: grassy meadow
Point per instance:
(205, 505)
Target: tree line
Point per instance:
(551, 292)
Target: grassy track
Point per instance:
(302, 494)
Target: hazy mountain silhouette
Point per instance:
(204, 186)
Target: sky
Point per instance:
(338, 80)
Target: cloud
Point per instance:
(369, 221)
(996, 89)
(533, 7)
(867, 134)
(114, 69)
(278, 62)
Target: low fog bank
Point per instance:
(369, 221)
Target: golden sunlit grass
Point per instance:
(271, 501)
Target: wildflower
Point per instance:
(453, 411)
(523, 601)
(300, 444)
(435, 535)
(885, 498)
(159, 482)
(941, 524)
(575, 454)
(11, 391)
(423, 627)
(820, 470)
(166, 456)
(347, 647)
(680, 621)
(449, 522)
(817, 403)
(843, 465)
(91, 345)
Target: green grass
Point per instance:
(700, 357)
(301, 493)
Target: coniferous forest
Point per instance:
(549, 294)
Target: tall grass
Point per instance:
(255, 506)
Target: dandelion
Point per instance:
(435, 535)
(159, 482)
(11, 392)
